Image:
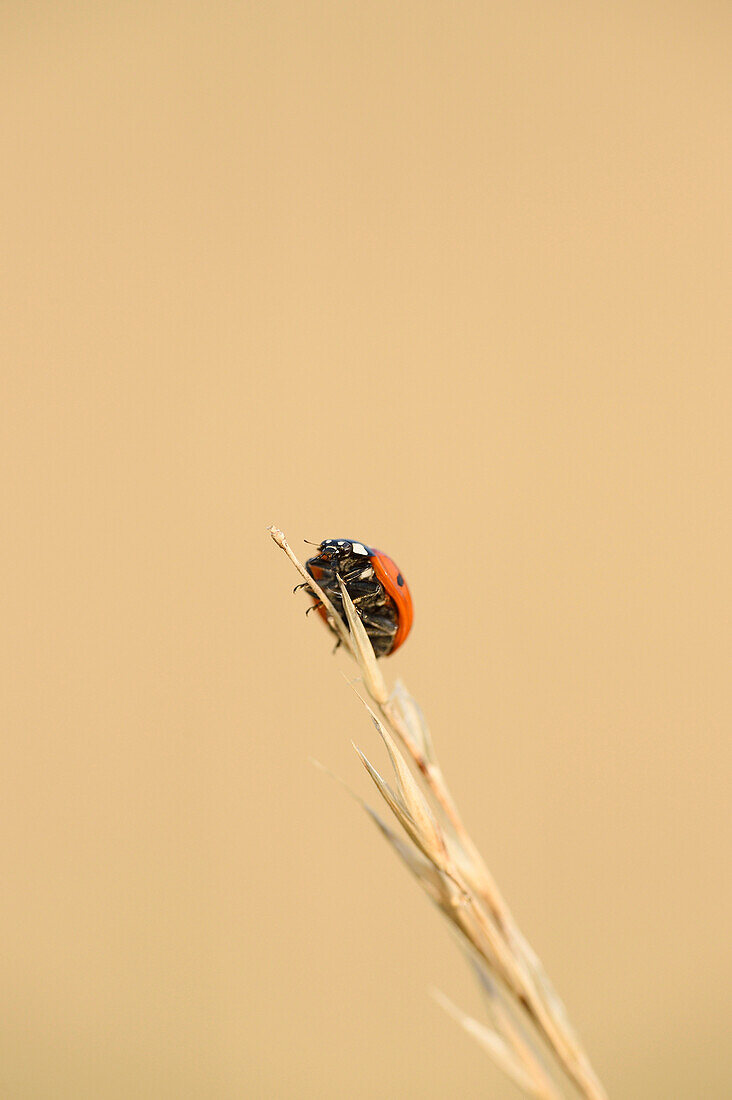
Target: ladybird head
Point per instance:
(335, 549)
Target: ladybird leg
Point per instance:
(364, 592)
(364, 588)
(313, 607)
(379, 624)
(357, 572)
(299, 586)
(325, 574)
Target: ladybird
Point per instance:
(374, 583)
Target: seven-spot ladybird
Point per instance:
(374, 583)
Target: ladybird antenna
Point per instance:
(310, 543)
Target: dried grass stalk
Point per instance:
(528, 1021)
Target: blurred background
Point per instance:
(452, 279)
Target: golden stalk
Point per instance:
(449, 867)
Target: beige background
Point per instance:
(449, 278)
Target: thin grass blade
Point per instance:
(363, 650)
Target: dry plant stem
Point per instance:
(333, 617)
(529, 1075)
(435, 780)
(518, 976)
(468, 895)
(543, 1087)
